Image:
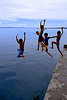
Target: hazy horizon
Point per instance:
(32, 23)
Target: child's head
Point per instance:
(42, 26)
(46, 34)
(37, 32)
(20, 40)
(58, 33)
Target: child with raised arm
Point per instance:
(59, 34)
(45, 44)
(40, 39)
(21, 45)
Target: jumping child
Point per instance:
(59, 34)
(21, 45)
(40, 39)
(45, 44)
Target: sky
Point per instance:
(11, 11)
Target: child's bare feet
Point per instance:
(51, 47)
(37, 49)
(62, 55)
(51, 57)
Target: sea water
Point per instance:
(22, 79)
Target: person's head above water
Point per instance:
(21, 40)
(58, 33)
(46, 34)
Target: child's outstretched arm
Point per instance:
(17, 38)
(62, 31)
(40, 23)
(24, 37)
(53, 37)
(44, 22)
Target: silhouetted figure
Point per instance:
(40, 39)
(21, 44)
(59, 34)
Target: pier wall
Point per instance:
(57, 89)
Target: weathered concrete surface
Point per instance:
(57, 89)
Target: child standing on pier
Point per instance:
(21, 43)
(59, 34)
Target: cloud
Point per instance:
(33, 9)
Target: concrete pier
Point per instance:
(57, 89)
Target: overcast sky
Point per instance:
(33, 9)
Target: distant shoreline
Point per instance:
(38, 27)
(18, 27)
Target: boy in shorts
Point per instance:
(40, 39)
(59, 34)
(45, 44)
(21, 45)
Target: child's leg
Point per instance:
(42, 47)
(38, 46)
(39, 41)
(52, 44)
(18, 50)
(22, 56)
(46, 49)
(59, 49)
(19, 54)
(49, 54)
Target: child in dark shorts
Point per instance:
(21, 44)
(40, 39)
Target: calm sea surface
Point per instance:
(21, 79)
